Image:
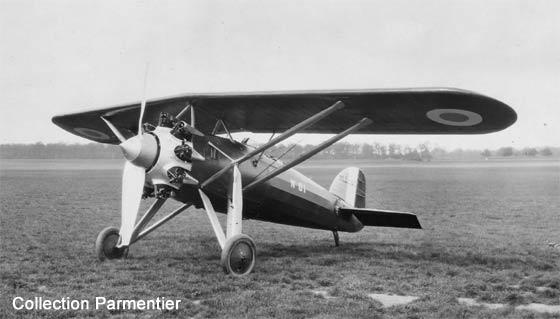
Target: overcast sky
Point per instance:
(66, 56)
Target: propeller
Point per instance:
(140, 152)
(134, 176)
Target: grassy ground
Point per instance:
(486, 229)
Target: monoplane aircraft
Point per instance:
(181, 148)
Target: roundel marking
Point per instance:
(454, 117)
(91, 133)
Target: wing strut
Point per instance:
(295, 129)
(184, 111)
(363, 122)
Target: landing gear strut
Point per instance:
(112, 244)
(336, 241)
(238, 250)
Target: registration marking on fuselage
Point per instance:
(298, 185)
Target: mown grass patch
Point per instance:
(485, 234)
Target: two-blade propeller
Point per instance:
(141, 152)
(134, 176)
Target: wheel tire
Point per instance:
(106, 244)
(239, 255)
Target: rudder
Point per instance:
(350, 185)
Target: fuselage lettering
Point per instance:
(298, 185)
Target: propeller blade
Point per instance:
(143, 104)
(235, 204)
(114, 130)
(132, 188)
(142, 108)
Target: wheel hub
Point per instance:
(241, 257)
(110, 245)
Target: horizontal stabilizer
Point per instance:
(382, 218)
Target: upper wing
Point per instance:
(395, 111)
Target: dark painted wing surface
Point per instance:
(382, 218)
(397, 111)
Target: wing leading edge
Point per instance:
(395, 111)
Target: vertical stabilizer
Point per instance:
(350, 185)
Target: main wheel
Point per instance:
(106, 244)
(239, 255)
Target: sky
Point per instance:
(59, 57)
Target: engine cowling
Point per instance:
(174, 162)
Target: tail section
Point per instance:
(350, 185)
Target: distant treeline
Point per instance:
(59, 150)
(421, 152)
(341, 150)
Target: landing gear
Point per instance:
(106, 244)
(238, 250)
(239, 255)
(336, 240)
(112, 244)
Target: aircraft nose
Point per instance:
(140, 150)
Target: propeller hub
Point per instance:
(141, 150)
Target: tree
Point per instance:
(411, 155)
(341, 150)
(380, 151)
(546, 152)
(425, 154)
(505, 151)
(439, 153)
(529, 151)
(395, 151)
(367, 151)
(354, 151)
(486, 153)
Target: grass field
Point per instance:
(486, 231)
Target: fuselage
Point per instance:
(290, 198)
